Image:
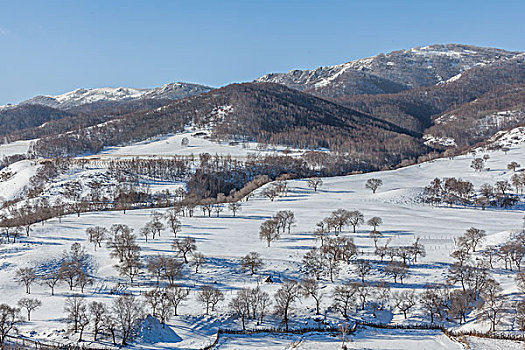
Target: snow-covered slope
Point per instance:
(396, 202)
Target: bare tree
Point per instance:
(131, 266)
(235, 207)
(198, 259)
(9, 320)
(478, 164)
(313, 262)
(315, 183)
(433, 301)
(461, 303)
(397, 270)
(356, 219)
(513, 166)
(210, 297)
(128, 312)
(473, 237)
(374, 222)
(284, 300)
(176, 295)
(373, 184)
(29, 304)
(173, 221)
(185, 246)
(520, 315)
(26, 276)
(310, 288)
(268, 231)
(493, 303)
(343, 299)
(363, 268)
(96, 235)
(240, 305)
(405, 300)
(51, 279)
(172, 270)
(270, 192)
(75, 309)
(252, 261)
(97, 311)
(375, 235)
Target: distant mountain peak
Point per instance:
(83, 96)
(391, 72)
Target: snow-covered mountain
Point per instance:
(392, 72)
(79, 97)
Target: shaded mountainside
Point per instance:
(267, 113)
(51, 115)
(417, 109)
(392, 72)
(481, 118)
(27, 116)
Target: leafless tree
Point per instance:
(513, 166)
(252, 262)
(176, 295)
(397, 270)
(128, 312)
(51, 279)
(97, 311)
(184, 247)
(310, 288)
(285, 219)
(26, 276)
(198, 259)
(315, 183)
(172, 270)
(29, 304)
(173, 221)
(210, 297)
(373, 184)
(375, 235)
(96, 235)
(520, 314)
(285, 297)
(240, 305)
(9, 320)
(235, 207)
(405, 300)
(356, 219)
(478, 164)
(362, 268)
(268, 231)
(75, 309)
(270, 192)
(374, 222)
(433, 300)
(343, 299)
(493, 303)
(313, 262)
(461, 303)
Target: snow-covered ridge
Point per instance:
(81, 97)
(443, 62)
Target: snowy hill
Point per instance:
(392, 72)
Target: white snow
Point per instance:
(225, 239)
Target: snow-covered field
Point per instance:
(226, 239)
(17, 147)
(199, 142)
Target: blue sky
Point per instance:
(51, 47)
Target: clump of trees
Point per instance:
(460, 192)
